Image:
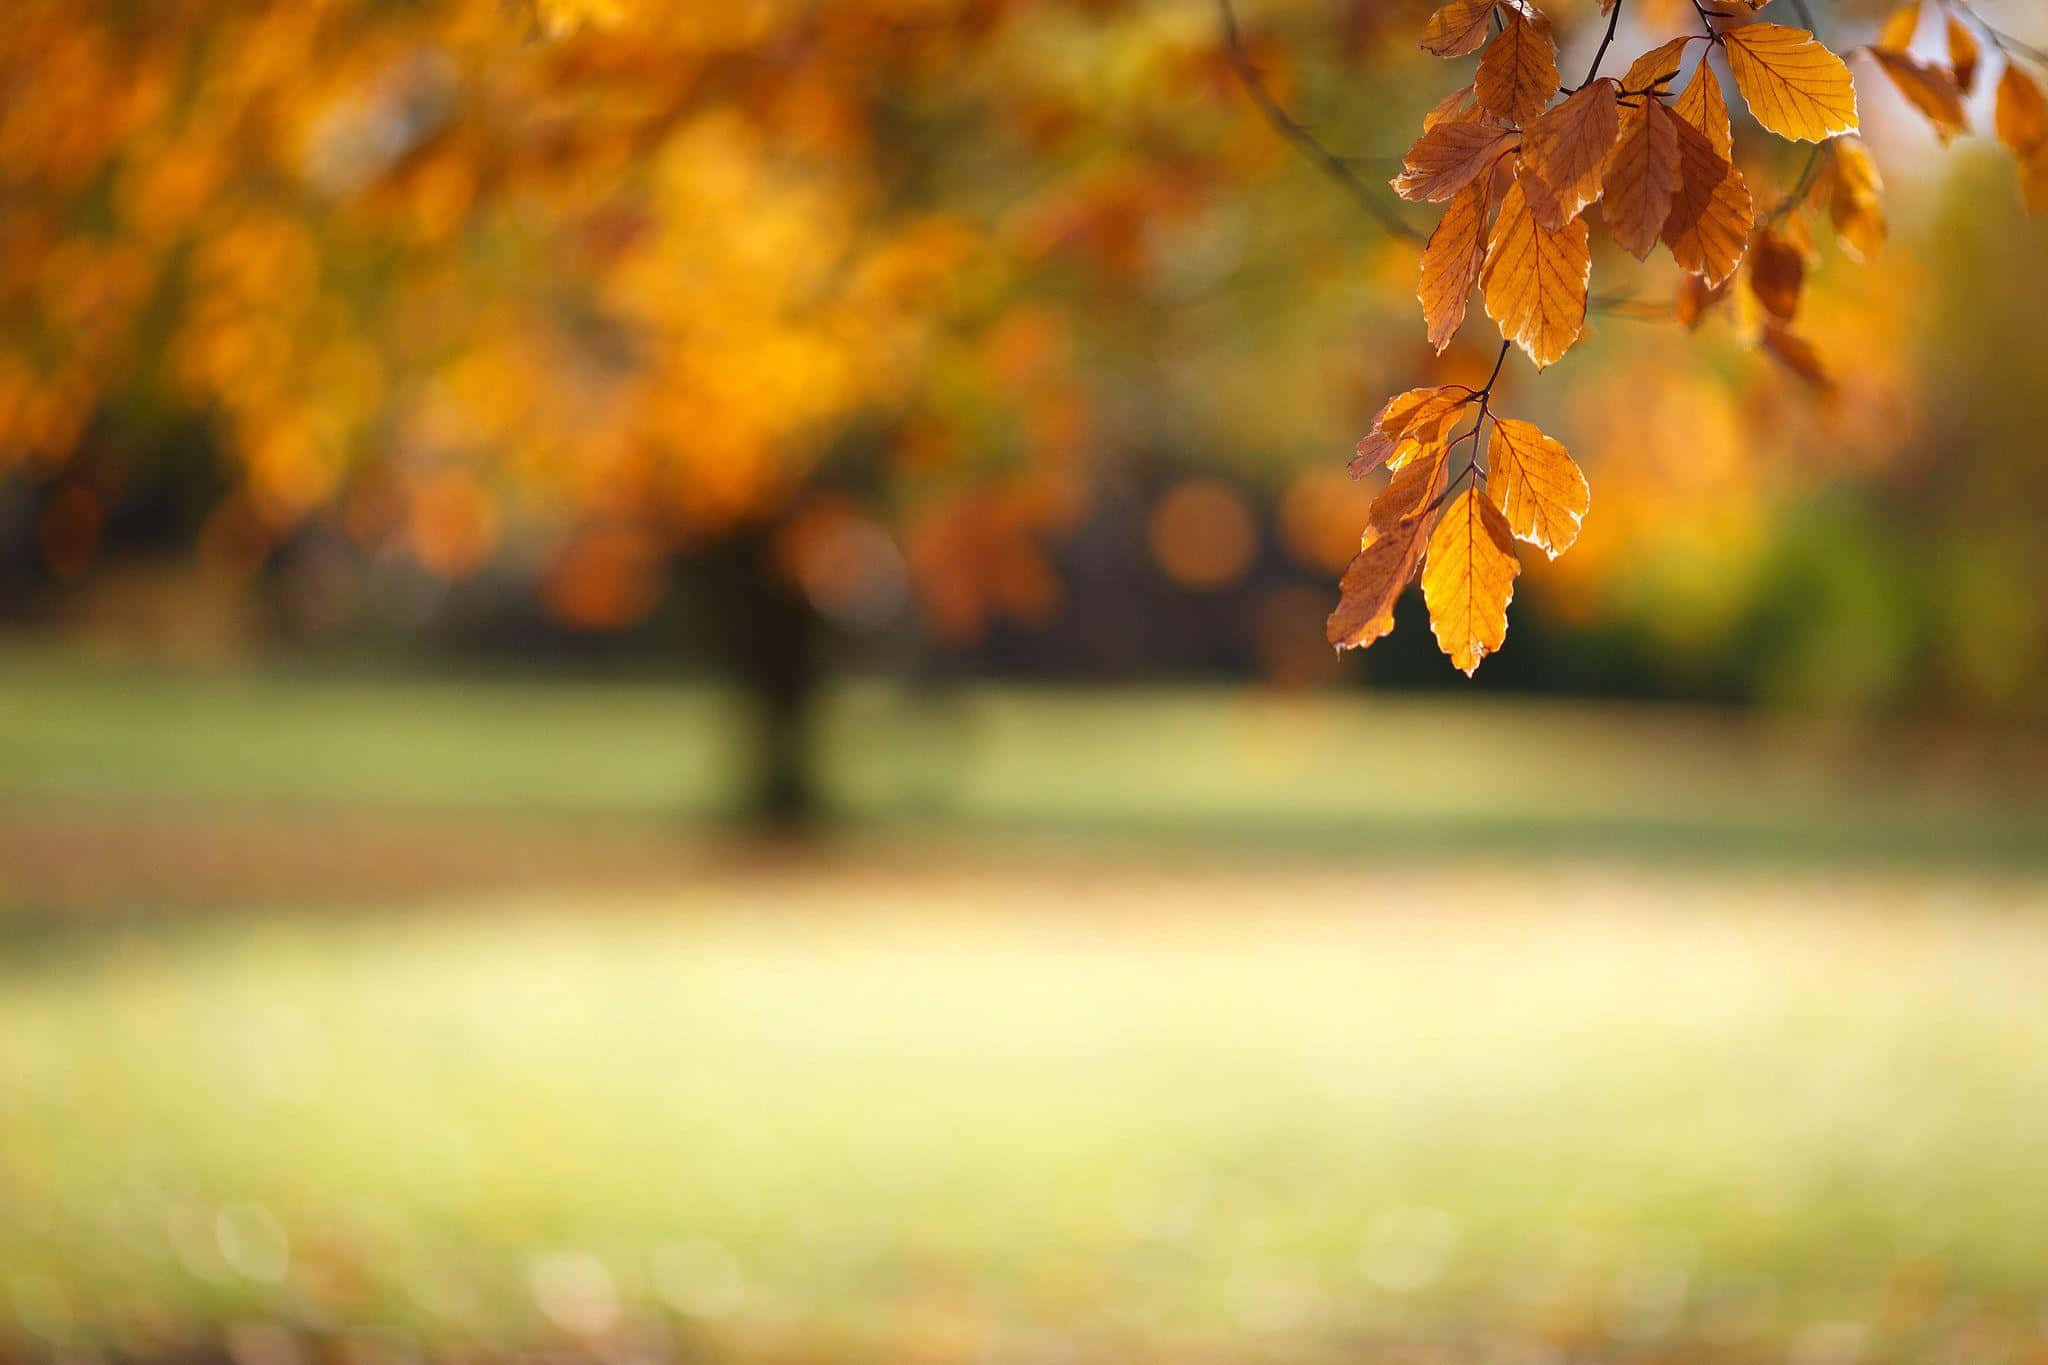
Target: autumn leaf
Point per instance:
(1657, 67)
(1469, 579)
(1564, 153)
(1963, 54)
(1452, 259)
(1695, 297)
(1537, 486)
(1455, 105)
(1395, 535)
(1406, 423)
(1448, 157)
(1777, 272)
(1797, 354)
(1458, 28)
(1535, 279)
(1795, 86)
(1706, 108)
(1642, 176)
(1929, 88)
(2021, 117)
(1899, 27)
(1855, 198)
(1518, 71)
(1711, 214)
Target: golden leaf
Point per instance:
(1518, 71)
(1963, 54)
(1458, 28)
(1395, 535)
(1706, 108)
(1711, 214)
(1777, 272)
(2021, 118)
(1855, 199)
(1412, 491)
(1929, 88)
(1537, 486)
(1449, 157)
(1452, 259)
(1899, 27)
(1535, 279)
(1469, 579)
(1642, 176)
(1795, 86)
(1657, 67)
(1564, 153)
(1406, 423)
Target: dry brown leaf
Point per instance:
(1452, 259)
(1456, 105)
(1928, 88)
(1711, 214)
(1469, 579)
(1392, 548)
(1642, 177)
(1856, 198)
(1449, 157)
(1518, 71)
(1564, 153)
(1412, 491)
(1706, 108)
(1535, 279)
(1458, 28)
(1537, 486)
(1777, 272)
(1794, 85)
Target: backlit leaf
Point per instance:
(1392, 549)
(1452, 259)
(1537, 486)
(1929, 88)
(1535, 279)
(1777, 272)
(1458, 28)
(1856, 198)
(1795, 86)
(1518, 71)
(1407, 422)
(1706, 108)
(1449, 157)
(1657, 67)
(1963, 54)
(1712, 213)
(1642, 176)
(1469, 579)
(2021, 118)
(1899, 27)
(1564, 153)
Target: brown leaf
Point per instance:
(1452, 259)
(1777, 272)
(1796, 353)
(1470, 579)
(1706, 108)
(1711, 214)
(1929, 88)
(1449, 157)
(1564, 153)
(1537, 486)
(1695, 297)
(1795, 86)
(1395, 535)
(1518, 71)
(1456, 105)
(1642, 176)
(1409, 494)
(1657, 67)
(1855, 198)
(1535, 279)
(1458, 28)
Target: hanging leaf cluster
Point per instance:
(1526, 168)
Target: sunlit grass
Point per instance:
(951, 1111)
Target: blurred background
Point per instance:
(662, 696)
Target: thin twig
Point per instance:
(1613, 22)
(1303, 140)
(2001, 40)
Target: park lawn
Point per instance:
(945, 1108)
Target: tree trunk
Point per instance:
(776, 643)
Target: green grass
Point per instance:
(946, 1112)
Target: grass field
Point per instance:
(1574, 1085)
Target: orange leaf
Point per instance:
(1855, 198)
(1518, 71)
(1470, 579)
(1657, 67)
(1449, 157)
(1899, 27)
(1452, 259)
(1458, 28)
(1537, 486)
(1796, 353)
(1387, 559)
(1564, 153)
(1535, 279)
(1795, 86)
(1963, 54)
(1777, 272)
(1929, 88)
(1412, 491)
(2022, 114)
(1712, 213)
(1642, 177)
(1706, 108)
(1407, 423)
